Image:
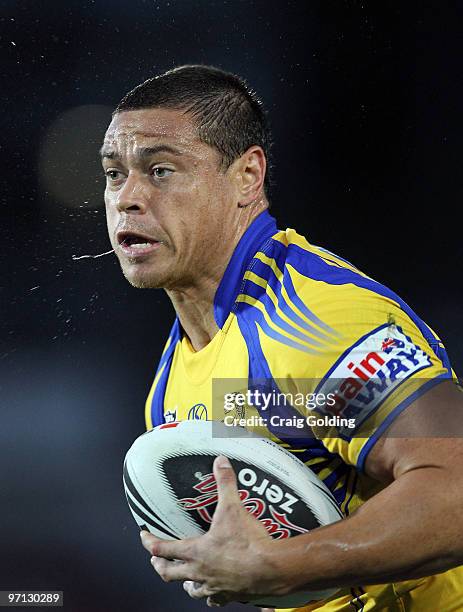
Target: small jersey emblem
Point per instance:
(198, 412)
(171, 415)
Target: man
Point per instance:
(185, 158)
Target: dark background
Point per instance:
(365, 100)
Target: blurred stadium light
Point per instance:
(69, 167)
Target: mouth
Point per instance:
(134, 244)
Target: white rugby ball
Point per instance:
(171, 490)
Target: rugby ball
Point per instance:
(171, 489)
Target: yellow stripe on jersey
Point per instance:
(320, 327)
(304, 345)
(309, 330)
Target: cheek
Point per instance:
(111, 217)
(108, 202)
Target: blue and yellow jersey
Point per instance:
(311, 324)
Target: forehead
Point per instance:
(150, 126)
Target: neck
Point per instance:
(194, 304)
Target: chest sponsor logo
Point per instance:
(369, 372)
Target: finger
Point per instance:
(217, 601)
(168, 549)
(225, 477)
(211, 603)
(188, 584)
(197, 590)
(171, 570)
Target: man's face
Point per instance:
(167, 200)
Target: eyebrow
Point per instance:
(141, 153)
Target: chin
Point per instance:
(142, 279)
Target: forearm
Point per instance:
(412, 528)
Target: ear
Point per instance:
(249, 172)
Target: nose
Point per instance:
(131, 198)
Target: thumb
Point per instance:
(227, 488)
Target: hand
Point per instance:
(231, 562)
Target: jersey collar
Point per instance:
(260, 230)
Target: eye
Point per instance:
(112, 175)
(160, 172)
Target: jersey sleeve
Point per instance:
(384, 359)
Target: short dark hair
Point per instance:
(228, 114)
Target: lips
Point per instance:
(130, 238)
(136, 244)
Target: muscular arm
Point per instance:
(413, 527)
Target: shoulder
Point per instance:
(309, 283)
(320, 282)
(300, 298)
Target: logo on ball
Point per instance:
(275, 521)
